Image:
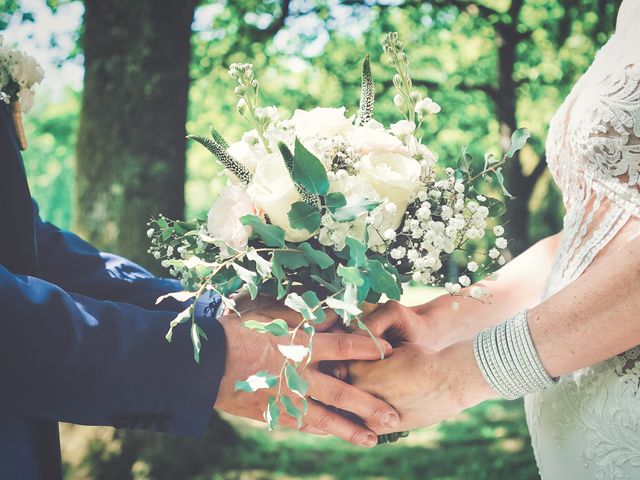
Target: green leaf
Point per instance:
(277, 327)
(353, 210)
(249, 278)
(295, 382)
(292, 410)
(464, 162)
(298, 303)
(292, 260)
(496, 207)
(271, 235)
(303, 216)
(318, 257)
(350, 275)
(183, 317)
(382, 281)
(357, 252)
(518, 141)
(279, 274)
(196, 334)
(308, 171)
(500, 179)
(272, 413)
(263, 266)
(312, 300)
(335, 200)
(256, 382)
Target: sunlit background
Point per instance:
(307, 53)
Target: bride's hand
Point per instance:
(424, 324)
(423, 385)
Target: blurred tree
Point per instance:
(131, 137)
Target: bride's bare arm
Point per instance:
(588, 321)
(519, 285)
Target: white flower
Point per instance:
(398, 253)
(372, 137)
(398, 101)
(478, 292)
(403, 128)
(464, 280)
(321, 122)
(501, 242)
(273, 191)
(498, 230)
(501, 260)
(150, 232)
(494, 253)
(389, 234)
(394, 176)
(420, 152)
(427, 105)
(472, 266)
(452, 288)
(223, 220)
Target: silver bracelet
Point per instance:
(508, 359)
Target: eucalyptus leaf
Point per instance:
(382, 281)
(182, 317)
(297, 303)
(518, 140)
(295, 382)
(304, 216)
(354, 209)
(277, 327)
(335, 200)
(312, 300)
(350, 275)
(249, 278)
(256, 382)
(500, 178)
(271, 235)
(272, 413)
(292, 410)
(318, 257)
(357, 252)
(309, 171)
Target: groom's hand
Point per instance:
(249, 352)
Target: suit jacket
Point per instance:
(81, 340)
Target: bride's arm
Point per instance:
(518, 285)
(590, 320)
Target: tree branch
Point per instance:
(537, 172)
(262, 34)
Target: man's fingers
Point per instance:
(290, 316)
(330, 321)
(292, 423)
(344, 346)
(321, 417)
(336, 393)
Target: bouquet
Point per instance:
(19, 73)
(330, 210)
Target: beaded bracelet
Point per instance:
(508, 359)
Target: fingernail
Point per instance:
(391, 420)
(370, 440)
(387, 347)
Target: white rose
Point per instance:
(321, 122)
(372, 137)
(394, 176)
(274, 192)
(223, 220)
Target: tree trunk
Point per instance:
(131, 138)
(517, 216)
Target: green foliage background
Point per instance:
(314, 59)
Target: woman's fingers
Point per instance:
(336, 393)
(321, 417)
(292, 423)
(344, 346)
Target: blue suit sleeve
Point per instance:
(71, 358)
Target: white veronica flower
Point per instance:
(403, 128)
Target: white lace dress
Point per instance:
(587, 427)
